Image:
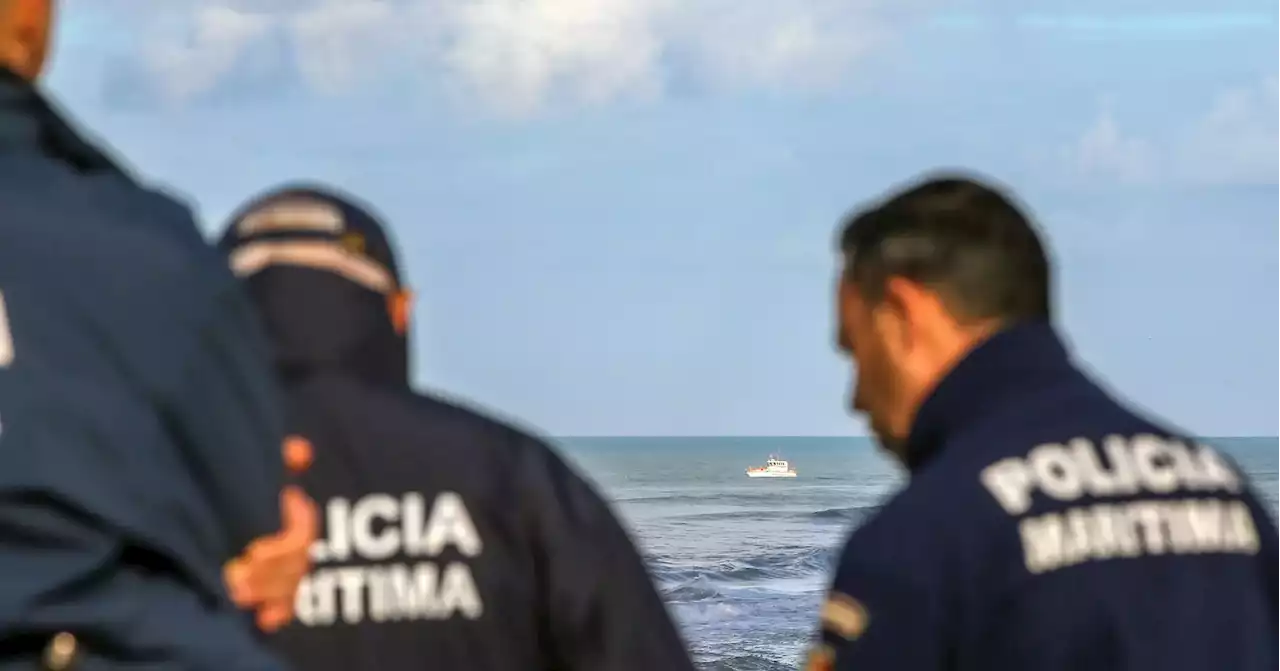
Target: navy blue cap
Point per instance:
(315, 227)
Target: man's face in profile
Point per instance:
(875, 378)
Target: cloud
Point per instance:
(764, 42)
(1237, 141)
(514, 53)
(336, 42)
(216, 38)
(518, 56)
(1234, 141)
(1104, 151)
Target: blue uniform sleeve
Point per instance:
(877, 619)
(228, 415)
(1272, 581)
(1268, 555)
(600, 610)
(1268, 540)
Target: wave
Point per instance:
(696, 590)
(685, 584)
(744, 663)
(714, 497)
(753, 496)
(827, 516)
(739, 515)
(849, 514)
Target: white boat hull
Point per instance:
(771, 474)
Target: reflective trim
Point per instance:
(292, 215)
(318, 254)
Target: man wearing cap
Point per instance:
(140, 432)
(450, 540)
(1046, 526)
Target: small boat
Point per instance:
(773, 468)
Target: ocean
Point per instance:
(742, 562)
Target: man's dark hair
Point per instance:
(963, 239)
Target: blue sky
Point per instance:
(619, 214)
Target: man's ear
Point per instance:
(25, 28)
(400, 309)
(903, 307)
(915, 301)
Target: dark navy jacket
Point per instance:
(139, 423)
(1048, 527)
(449, 540)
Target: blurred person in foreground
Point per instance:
(140, 432)
(1046, 525)
(451, 540)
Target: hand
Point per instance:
(266, 575)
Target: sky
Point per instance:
(619, 215)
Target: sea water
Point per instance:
(742, 562)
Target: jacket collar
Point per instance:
(1011, 362)
(29, 122)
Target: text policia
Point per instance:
(388, 549)
(1192, 513)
